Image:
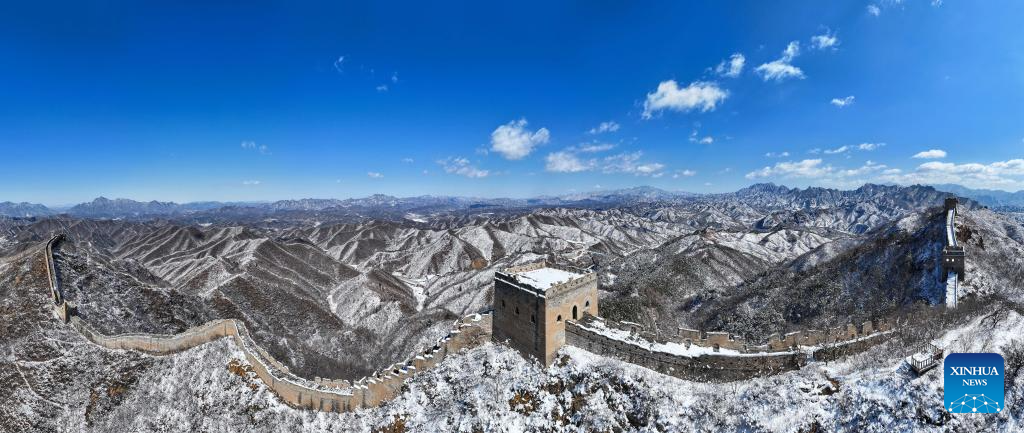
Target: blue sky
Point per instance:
(191, 101)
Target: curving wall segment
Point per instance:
(321, 394)
(717, 356)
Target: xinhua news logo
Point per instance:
(973, 383)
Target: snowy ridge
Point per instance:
(320, 394)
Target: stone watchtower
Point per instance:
(533, 301)
(952, 253)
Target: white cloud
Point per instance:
(808, 168)
(842, 102)
(251, 145)
(630, 163)
(566, 162)
(732, 67)
(513, 141)
(874, 10)
(569, 160)
(339, 64)
(826, 40)
(462, 167)
(868, 168)
(694, 138)
(408, 160)
(608, 126)
(837, 150)
(382, 88)
(698, 95)
(684, 173)
(394, 77)
(375, 175)
(595, 147)
(776, 155)
(931, 154)
(997, 175)
(250, 182)
(782, 68)
(843, 149)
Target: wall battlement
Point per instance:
(729, 358)
(508, 275)
(323, 394)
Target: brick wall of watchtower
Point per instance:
(533, 321)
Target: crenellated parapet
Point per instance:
(773, 343)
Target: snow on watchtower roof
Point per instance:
(542, 278)
(545, 277)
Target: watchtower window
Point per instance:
(502, 303)
(533, 318)
(574, 314)
(559, 318)
(517, 311)
(587, 304)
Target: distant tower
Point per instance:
(952, 253)
(533, 301)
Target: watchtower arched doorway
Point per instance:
(574, 312)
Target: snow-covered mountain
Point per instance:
(340, 297)
(23, 209)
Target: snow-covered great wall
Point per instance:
(717, 356)
(318, 393)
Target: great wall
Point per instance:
(690, 354)
(317, 393)
(719, 356)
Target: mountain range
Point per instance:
(333, 290)
(389, 207)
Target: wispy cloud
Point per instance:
(513, 141)
(782, 68)
(567, 162)
(930, 154)
(808, 168)
(408, 160)
(701, 95)
(776, 154)
(696, 138)
(251, 145)
(837, 150)
(843, 102)
(608, 126)
(339, 64)
(824, 41)
(683, 173)
(382, 88)
(629, 163)
(1007, 174)
(843, 149)
(874, 10)
(375, 175)
(732, 67)
(250, 182)
(462, 167)
(594, 147)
